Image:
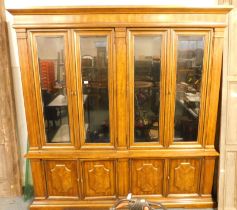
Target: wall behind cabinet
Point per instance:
(29, 3)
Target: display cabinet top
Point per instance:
(119, 9)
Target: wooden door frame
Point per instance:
(207, 38)
(148, 32)
(34, 57)
(227, 179)
(109, 34)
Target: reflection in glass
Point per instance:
(188, 87)
(147, 57)
(53, 88)
(94, 67)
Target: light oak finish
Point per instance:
(40, 190)
(61, 178)
(28, 90)
(90, 175)
(213, 88)
(184, 175)
(147, 177)
(99, 179)
(123, 177)
(153, 16)
(121, 118)
(69, 154)
(90, 204)
(10, 177)
(207, 168)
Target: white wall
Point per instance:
(22, 130)
(30, 3)
(20, 109)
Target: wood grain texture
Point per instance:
(207, 176)
(99, 178)
(121, 87)
(194, 202)
(120, 9)
(147, 177)
(95, 175)
(123, 177)
(10, 178)
(61, 178)
(169, 153)
(28, 90)
(184, 176)
(123, 20)
(39, 181)
(213, 88)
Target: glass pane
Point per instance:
(147, 57)
(94, 66)
(53, 88)
(188, 86)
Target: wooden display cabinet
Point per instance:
(132, 107)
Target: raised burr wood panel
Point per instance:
(61, 178)
(98, 178)
(147, 177)
(184, 176)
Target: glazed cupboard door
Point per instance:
(147, 72)
(93, 50)
(54, 89)
(188, 84)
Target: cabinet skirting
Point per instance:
(200, 202)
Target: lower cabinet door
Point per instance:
(147, 177)
(99, 178)
(184, 176)
(61, 178)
